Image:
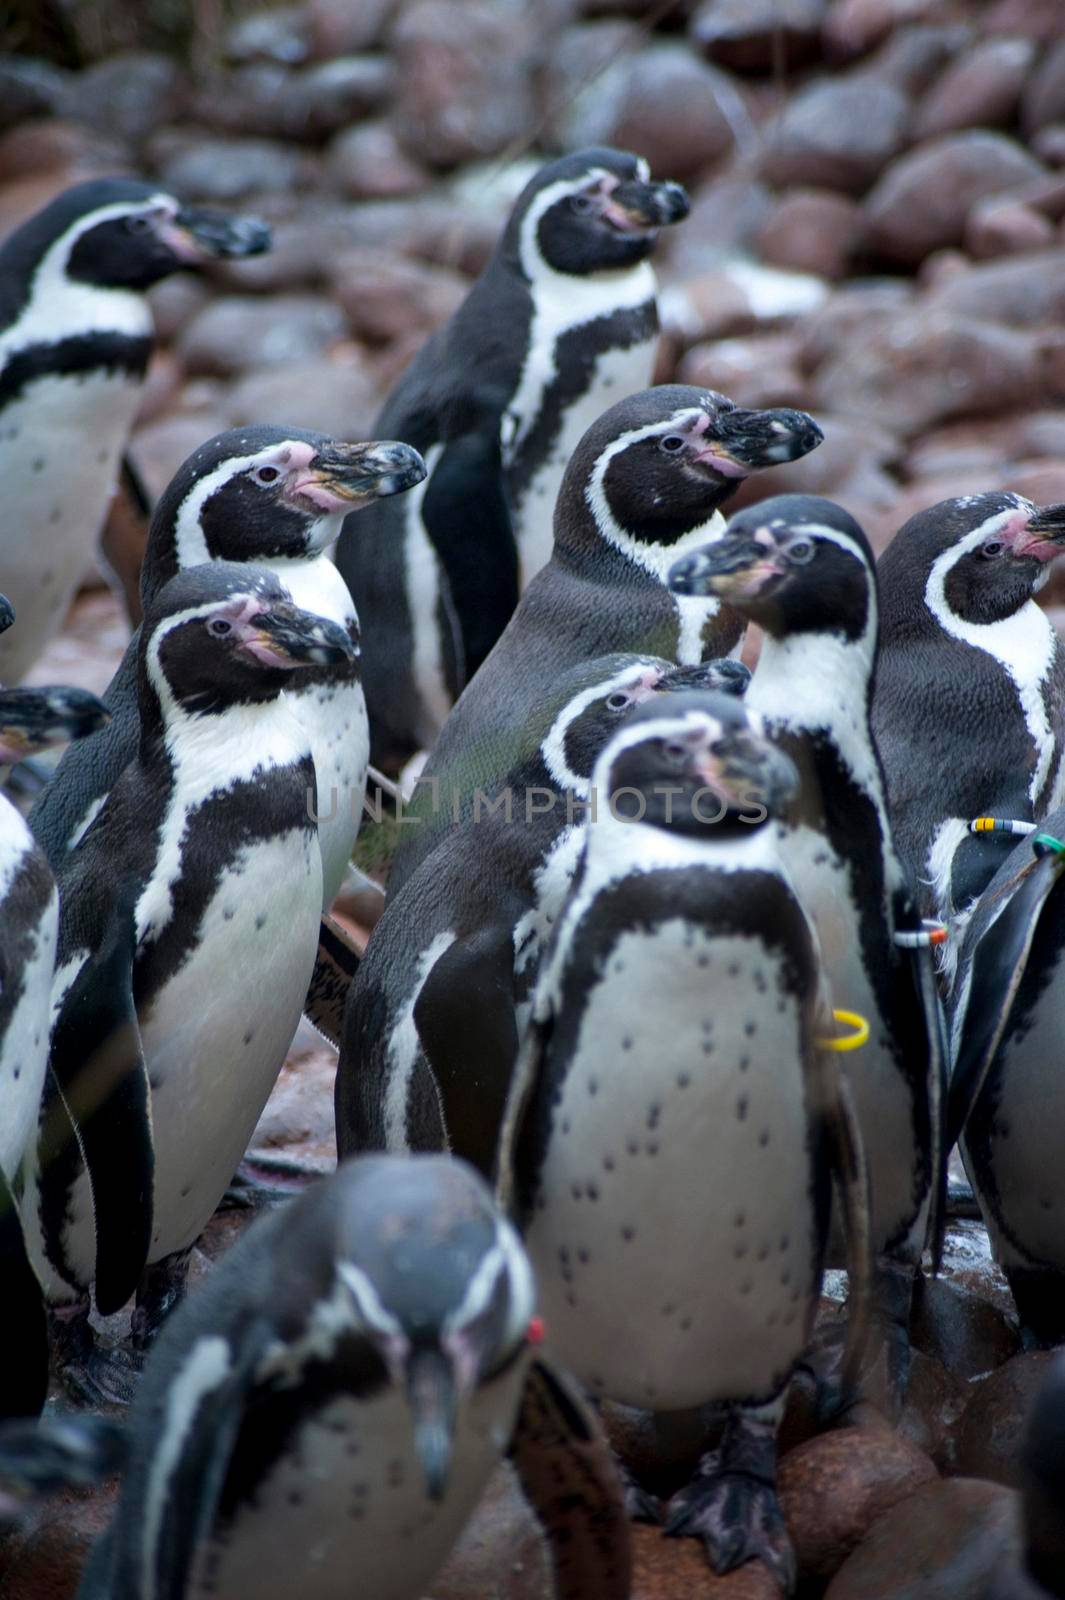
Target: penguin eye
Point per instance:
(219, 627)
(617, 701)
(266, 474)
(672, 443)
(581, 203)
(801, 551)
(138, 224)
(993, 548)
(675, 753)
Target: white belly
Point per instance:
(881, 1095)
(335, 719)
(24, 1043)
(1028, 1137)
(347, 1513)
(61, 444)
(617, 373)
(216, 1037)
(675, 1254)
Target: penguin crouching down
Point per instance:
(802, 569)
(30, 719)
(1005, 1098)
(188, 928)
(969, 699)
(673, 1126)
(75, 337)
(323, 1414)
(274, 497)
(563, 319)
(441, 995)
(644, 485)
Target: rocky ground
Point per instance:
(877, 234)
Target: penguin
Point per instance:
(673, 1124)
(188, 924)
(802, 569)
(30, 720)
(275, 497)
(1005, 1107)
(969, 697)
(75, 338)
(644, 485)
(563, 320)
(323, 1414)
(432, 1021)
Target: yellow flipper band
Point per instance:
(1000, 825)
(849, 1041)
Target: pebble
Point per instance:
(338, 395)
(980, 89)
(837, 135)
(385, 296)
(991, 1427)
(238, 333)
(759, 35)
(812, 230)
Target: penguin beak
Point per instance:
(734, 568)
(635, 207)
(289, 638)
(748, 773)
(34, 719)
(7, 613)
(432, 1392)
(198, 234)
(343, 476)
(740, 442)
(1047, 524)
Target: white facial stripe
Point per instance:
(404, 1046)
(368, 1301)
(479, 1290)
(156, 675)
(656, 559)
(60, 308)
(205, 1369)
(1024, 644)
(532, 262)
(189, 543)
(553, 748)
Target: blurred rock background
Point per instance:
(877, 235)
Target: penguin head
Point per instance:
(793, 564)
(119, 233)
(593, 211)
(978, 558)
(596, 698)
(658, 464)
(221, 635)
(262, 493)
(34, 719)
(433, 1277)
(696, 765)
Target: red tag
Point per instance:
(535, 1330)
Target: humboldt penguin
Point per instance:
(802, 569)
(433, 1018)
(562, 321)
(1005, 1101)
(969, 698)
(274, 497)
(75, 338)
(645, 484)
(188, 927)
(30, 719)
(327, 1409)
(673, 1125)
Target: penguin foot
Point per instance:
(731, 1503)
(162, 1287)
(640, 1504)
(91, 1374)
(738, 1518)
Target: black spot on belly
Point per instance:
(741, 1107)
(654, 1111)
(683, 1080)
(626, 1043)
(55, 515)
(249, 1036)
(228, 915)
(593, 1085)
(260, 922)
(739, 1220)
(628, 1234)
(295, 1497)
(750, 1029)
(38, 463)
(763, 1138)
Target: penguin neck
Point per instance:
(182, 549)
(208, 751)
(59, 307)
(16, 843)
(586, 528)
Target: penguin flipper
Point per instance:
(924, 977)
(99, 1068)
(467, 519)
(124, 537)
(335, 967)
(465, 1019)
(569, 1480)
(193, 1489)
(851, 1174)
(24, 1369)
(998, 962)
(523, 1081)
